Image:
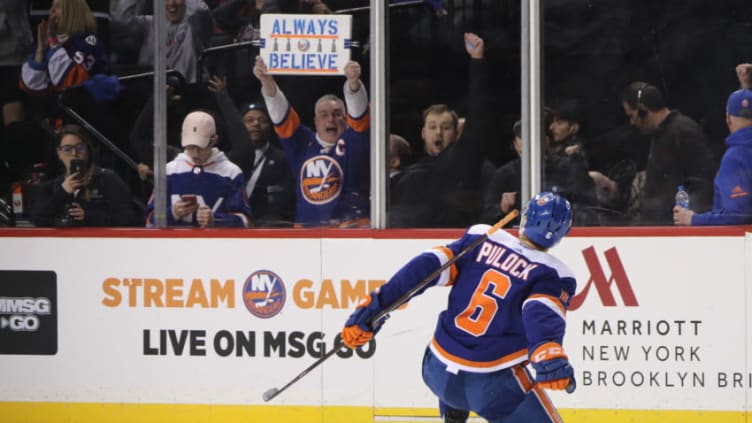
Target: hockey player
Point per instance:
(331, 163)
(506, 307)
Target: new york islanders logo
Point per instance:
(264, 294)
(545, 199)
(320, 179)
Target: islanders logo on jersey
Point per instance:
(320, 179)
(544, 199)
(264, 294)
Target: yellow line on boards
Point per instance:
(652, 416)
(395, 415)
(44, 412)
(37, 412)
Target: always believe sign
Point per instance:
(305, 44)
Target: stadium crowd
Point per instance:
(76, 88)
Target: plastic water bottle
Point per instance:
(18, 210)
(682, 197)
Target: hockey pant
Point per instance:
(504, 396)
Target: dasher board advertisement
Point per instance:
(305, 44)
(658, 329)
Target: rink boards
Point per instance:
(194, 326)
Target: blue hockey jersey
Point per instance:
(218, 184)
(505, 299)
(65, 65)
(332, 182)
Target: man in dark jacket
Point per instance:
(679, 154)
(566, 165)
(443, 188)
(269, 181)
(502, 191)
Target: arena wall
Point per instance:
(194, 326)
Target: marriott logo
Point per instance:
(604, 286)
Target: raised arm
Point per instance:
(474, 45)
(356, 97)
(261, 72)
(352, 72)
(241, 148)
(477, 128)
(744, 73)
(276, 102)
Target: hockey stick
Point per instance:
(273, 392)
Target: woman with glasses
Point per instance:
(84, 194)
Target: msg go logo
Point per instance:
(31, 307)
(19, 323)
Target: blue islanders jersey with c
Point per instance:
(505, 299)
(332, 185)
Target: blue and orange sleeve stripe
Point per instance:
(360, 124)
(289, 124)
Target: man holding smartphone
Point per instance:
(204, 188)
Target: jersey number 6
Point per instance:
(476, 317)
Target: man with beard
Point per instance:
(444, 187)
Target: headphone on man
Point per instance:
(641, 111)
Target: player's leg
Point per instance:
(535, 408)
(494, 396)
(451, 414)
(448, 387)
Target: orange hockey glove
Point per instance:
(552, 368)
(358, 330)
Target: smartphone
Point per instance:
(189, 198)
(78, 165)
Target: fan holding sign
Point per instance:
(330, 162)
(305, 44)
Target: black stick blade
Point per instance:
(268, 395)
